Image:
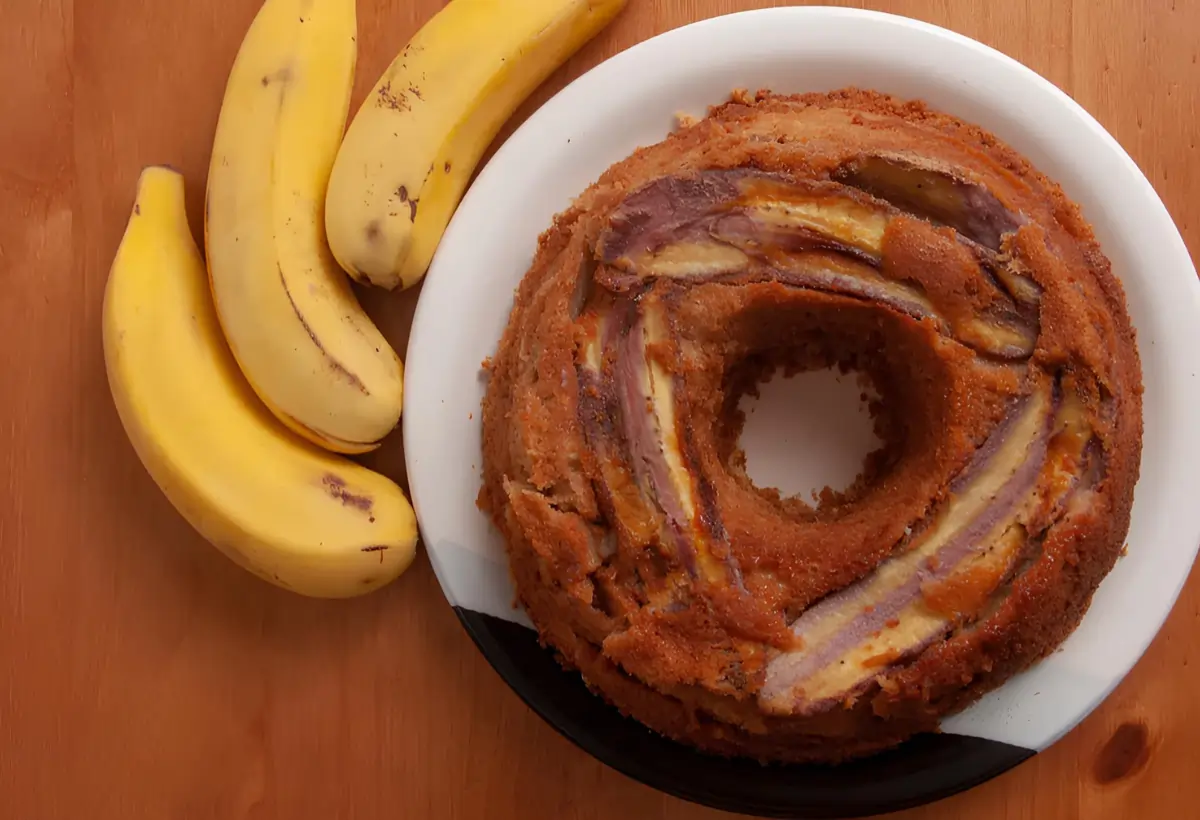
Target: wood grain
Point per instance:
(146, 677)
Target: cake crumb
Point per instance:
(684, 120)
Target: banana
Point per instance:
(294, 325)
(412, 146)
(286, 510)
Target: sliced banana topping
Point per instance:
(839, 217)
(934, 194)
(738, 225)
(913, 598)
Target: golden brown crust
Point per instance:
(692, 633)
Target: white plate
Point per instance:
(631, 100)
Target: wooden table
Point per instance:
(147, 677)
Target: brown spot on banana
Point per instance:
(386, 98)
(379, 548)
(283, 76)
(334, 364)
(336, 487)
(373, 231)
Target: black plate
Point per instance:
(924, 769)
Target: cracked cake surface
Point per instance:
(847, 229)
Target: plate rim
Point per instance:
(960, 762)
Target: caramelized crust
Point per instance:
(847, 229)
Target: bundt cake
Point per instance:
(848, 229)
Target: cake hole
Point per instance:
(808, 431)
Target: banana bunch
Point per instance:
(413, 145)
(229, 381)
(288, 511)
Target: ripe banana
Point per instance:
(411, 148)
(299, 334)
(289, 512)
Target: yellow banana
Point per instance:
(411, 148)
(299, 334)
(286, 510)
